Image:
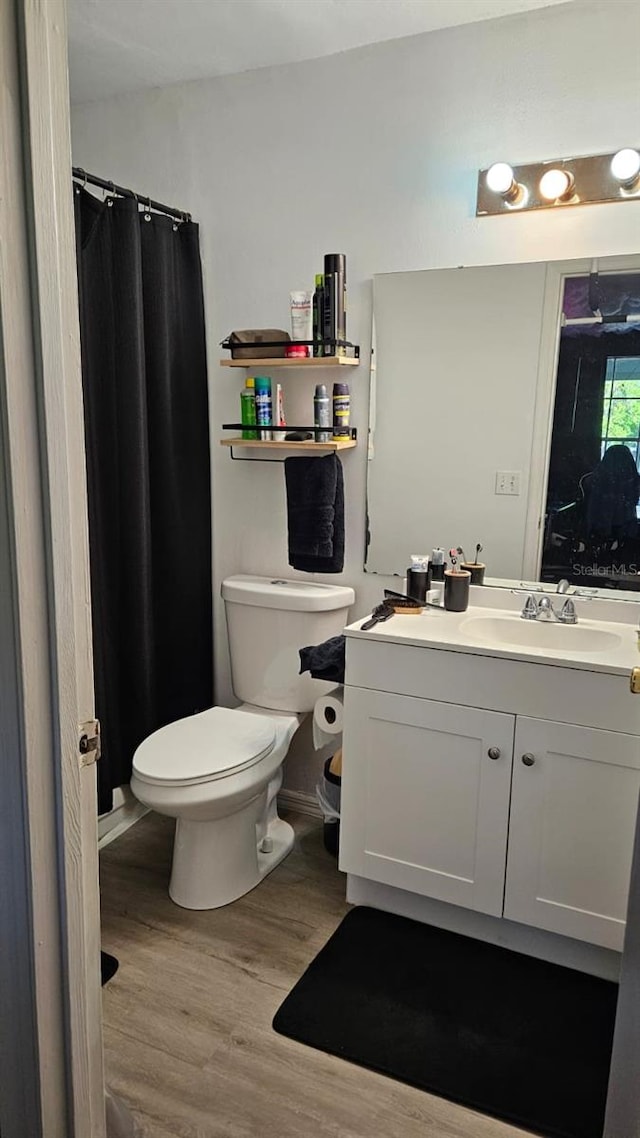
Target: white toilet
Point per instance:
(218, 772)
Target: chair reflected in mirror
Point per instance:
(595, 539)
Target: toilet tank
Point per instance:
(268, 621)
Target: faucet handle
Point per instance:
(568, 613)
(530, 608)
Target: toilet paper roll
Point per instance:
(327, 718)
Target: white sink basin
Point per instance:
(514, 632)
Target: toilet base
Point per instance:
(216, 862)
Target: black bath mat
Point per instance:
(108, 967)
(506, 1034)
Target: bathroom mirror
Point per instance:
(505, 411)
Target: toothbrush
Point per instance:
(478, 551)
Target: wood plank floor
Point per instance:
(188, 1039)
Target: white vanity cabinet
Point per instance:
(572, 821)
(426, 797)
(491, 804)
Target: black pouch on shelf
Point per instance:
(257, 344)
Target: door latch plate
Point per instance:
(89, 742)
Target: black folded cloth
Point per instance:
(315, 513)
(325, 661)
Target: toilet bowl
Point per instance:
(218, 772)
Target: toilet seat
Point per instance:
(201, 748)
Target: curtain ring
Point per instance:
(147, 215)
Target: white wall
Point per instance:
(373, 152)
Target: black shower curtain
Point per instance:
(147, 437)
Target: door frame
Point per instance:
(56, 1060)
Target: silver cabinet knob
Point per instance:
(494, 752)
(528, 760)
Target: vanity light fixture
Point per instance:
(559, 183)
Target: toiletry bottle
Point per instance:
(341, 411)
(318, 316)
(263, 406)
(437, 566)
(418, 579)
(322, 414)
(301, 325)
(248, 407)
(278, 415)
(335, 302)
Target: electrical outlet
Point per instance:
(507, 481)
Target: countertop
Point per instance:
(458, 632)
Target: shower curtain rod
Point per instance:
(82, 176)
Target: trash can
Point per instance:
(328, 793)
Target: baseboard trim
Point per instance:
(126, 812)
(303, 803)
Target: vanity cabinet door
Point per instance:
(573, 812)
(425, 806)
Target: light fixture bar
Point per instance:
(591, 180)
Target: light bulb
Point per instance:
(500, 178)
(556, 185)
(625, 166)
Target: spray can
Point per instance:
(341, 411)
(264, 411)
(248, 408)
(322, 414)
(335, 302)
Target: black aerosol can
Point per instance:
(335, 301)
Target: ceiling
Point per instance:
(127, 45)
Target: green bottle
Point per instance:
(318, 316)
(248, 408)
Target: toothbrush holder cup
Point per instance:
(456, 590)
(476, 569)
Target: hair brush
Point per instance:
(400, 603)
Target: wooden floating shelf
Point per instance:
(307, 447)
(293, 361)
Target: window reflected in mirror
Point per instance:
(592, 528)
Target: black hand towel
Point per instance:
(315, 513)
(325, 661)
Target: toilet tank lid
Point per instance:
(276, 593)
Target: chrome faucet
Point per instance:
(544, 611)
